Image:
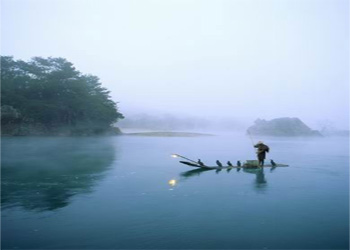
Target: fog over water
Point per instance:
(230, 59)
(114, 193)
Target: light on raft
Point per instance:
(172, 183)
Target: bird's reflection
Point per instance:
(260, 180)
(272, 169)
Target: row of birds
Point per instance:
(239, 164)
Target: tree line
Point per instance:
(49, 96)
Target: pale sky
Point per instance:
(243, 59)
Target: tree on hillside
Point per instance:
(52, 94)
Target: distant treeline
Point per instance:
(168, 122)
(49, 96)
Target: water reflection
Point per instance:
(44, 173)
(195, 172)
(260, 180)
(186, 175)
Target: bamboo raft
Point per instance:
(249, 164)
(191, 164)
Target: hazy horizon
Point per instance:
(241, 59)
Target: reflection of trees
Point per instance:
(44, 173)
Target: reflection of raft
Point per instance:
(248, 164)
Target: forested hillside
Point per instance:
(49, 96)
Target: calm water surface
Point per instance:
(113, 193)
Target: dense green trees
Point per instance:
(49, 95)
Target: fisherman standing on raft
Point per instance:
(261, 152)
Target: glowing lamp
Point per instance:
(172, 182)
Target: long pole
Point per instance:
(251, 138)
(177, 155)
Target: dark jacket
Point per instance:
(262, 149)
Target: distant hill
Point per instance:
(282, 127)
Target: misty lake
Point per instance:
(114, 193)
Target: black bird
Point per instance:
(219, 163)
(228, 170)
(238, 165)
(200, 162)
(218, 170)
(229, 163)
(273, 163)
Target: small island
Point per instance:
(282, 127)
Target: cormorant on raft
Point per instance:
(273, 165)
(238, 165)
(200, 162)
(229, 165)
